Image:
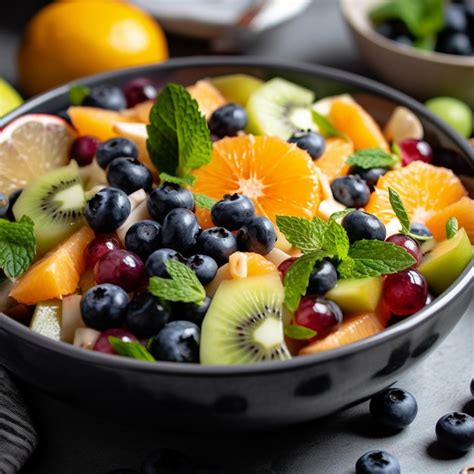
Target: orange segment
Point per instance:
(279, 177)
(333, 161)
(247, 264)
(354, 328)
(57, 273)
(462, 210)
(423, 188)
(203, 217)
(95, 121)
(351, 119)
(207, 96)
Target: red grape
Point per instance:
(83, 149)
(412, 149)
(98, 247)
(318, 314)
(103, 345)
(409, 244)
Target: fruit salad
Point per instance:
(232, 221)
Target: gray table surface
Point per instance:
(74, 442)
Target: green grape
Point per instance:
(453, 112)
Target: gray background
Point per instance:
(74, 442)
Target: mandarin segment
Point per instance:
(248, 264)
(333, 162)
(423, 188)
(279, 177)
(351, 119)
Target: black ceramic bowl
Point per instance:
(265, 394)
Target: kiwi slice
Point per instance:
(279, 108)
(55, 202)
(47, 319)
(244, 322)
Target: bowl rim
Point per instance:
(172, 368)
(415, 53)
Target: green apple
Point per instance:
(357, 295)
(446, 261)
(47, 319)
(9, 98)
(454, 112)
(237, 87)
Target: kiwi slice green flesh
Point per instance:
(47, 319)
(279, 108)
(244, 322)
(55, 202)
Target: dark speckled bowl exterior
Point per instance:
(262, 395)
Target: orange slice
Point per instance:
(247, 264)
(423, 188)
(96, 122)
(354, 328)
(462, 210)
(351, 119)
(333, 161)
(279, 177)
(31, 146)
(57, 273)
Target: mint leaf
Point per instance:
(372, 158)
(183, 181)
(336, 243)
(325, 126)
(373, 258)
(206, 202)
(178, 137)
(293, 331)
(302, 233)
(452, 227)
(132, 349)
(183, 285)
(340, 214)
(297, 278)
(77, 94)
(17, 246)
(399, 210)
(346, 268)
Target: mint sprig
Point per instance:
(306, 235)
(77, 94)
(402, 215)
(325, 126)
(336, 243)
(452, 227)
(372, 158)
(206, 202)
(370, 258)
(132, 349)
(183, 286)
(183, 181)
(17, 246)
(178, 137)
(293, 331)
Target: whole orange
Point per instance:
(70, 39)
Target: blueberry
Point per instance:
(203, 266)
(420, 229)
(4, 205)
(115, 148)
(218, 243)
(455, 431)
(392, 29)
(167, 461)
(312, 142)
(129, 175)
(167, 197)
(233, 211)
(12, 200)
(155, 264)
(377, 462)
(143, 238)
(454, 19)
(191, 311)
(180, 230)
(178, 341)
(322, 278)
(361, 225)
(454, 43)
(228, 120)
(104, 306)
(351, 190)
(370, 176)
(393, 408)
(146, 315)
(258, 235)
(107, 210)
(106, 97)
